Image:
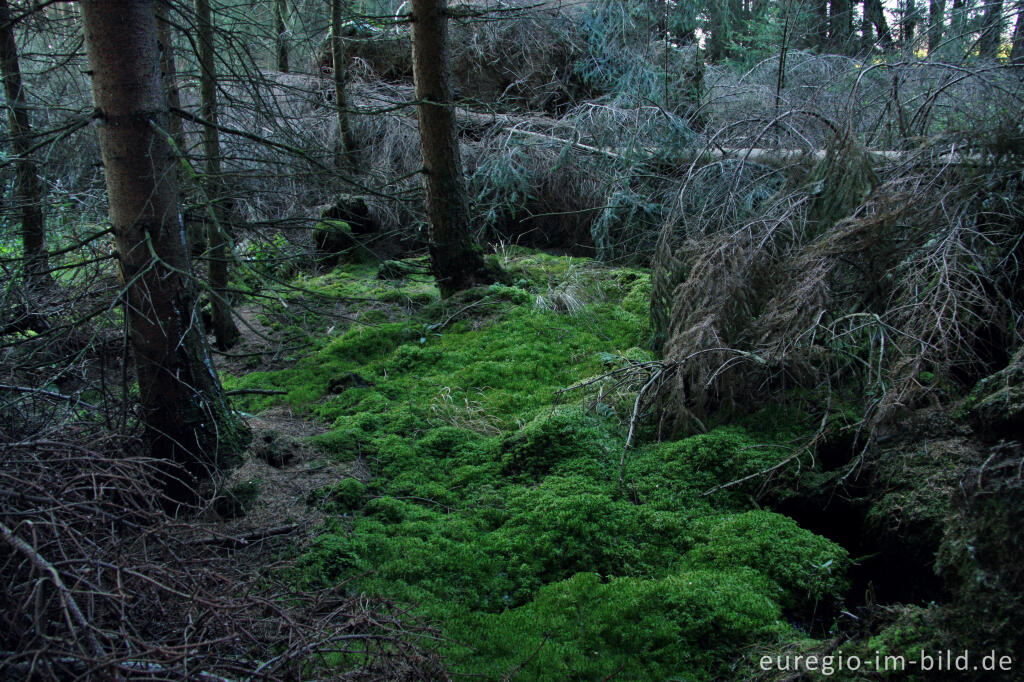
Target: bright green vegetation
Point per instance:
(495, 510)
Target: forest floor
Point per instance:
(428, 452)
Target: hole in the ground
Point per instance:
(890, 567)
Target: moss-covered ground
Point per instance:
(494, 509)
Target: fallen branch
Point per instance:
(247, 538)
(71, 610)
(255, 391)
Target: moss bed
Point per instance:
(494, 509)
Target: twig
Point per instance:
(515, 671)
(255, 391)
(634, 419)
(48, 394)
(247, 538)
(763, 472)
(71, 607)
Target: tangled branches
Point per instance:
(901, 288)
(100, 583)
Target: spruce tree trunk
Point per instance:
(456, 263)
(841, 26)
(908, 25)
(344, 151)
(184, 411)
(873, 9)
(27, 188)
(936, 25)
(224, 329)
(718, 30)
(992, 30)
(279, 28)
(170, 74)
(958, 25)
(169, 69)
(1017, 48)
(819, 31)
(867, 34)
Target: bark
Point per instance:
(183, 408)
(992, 30)
(224, 329)
(1017, 48)
(873, 9)
(456, 263)
(170, 73)
(867, 34)
(718, 30)
(344, 151)
(282, 44)
(958, 24)
(908, 26)
(841, 26)
(936, 24)
(28, 189)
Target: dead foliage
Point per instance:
(99, 582)
(899, 283)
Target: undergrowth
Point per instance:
(494, 508)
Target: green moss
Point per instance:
(238, 500)
(677, 474)
(556, 436)
(638, 300)
(570, 525)
(331, 558)
(685, 626)
(339, 498)
(809, 571)
(499, 516)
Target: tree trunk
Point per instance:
(455, 262)
(718, 30)
(817, 33)
(344, 150)
(183, 408)
(169, 71)
(958, 25)
(280, 9)
(28, 189)
(991, 30)
(936, 25)
(841, 26)
(1017, 48)
(224, 329)
(908, 25)
(867, 33)
(170, 74)
(873, 8)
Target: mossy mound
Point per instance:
(997, 402)
(553, 437)
(982, 553)
(808, 571)
(684, 626)
(499, 514)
